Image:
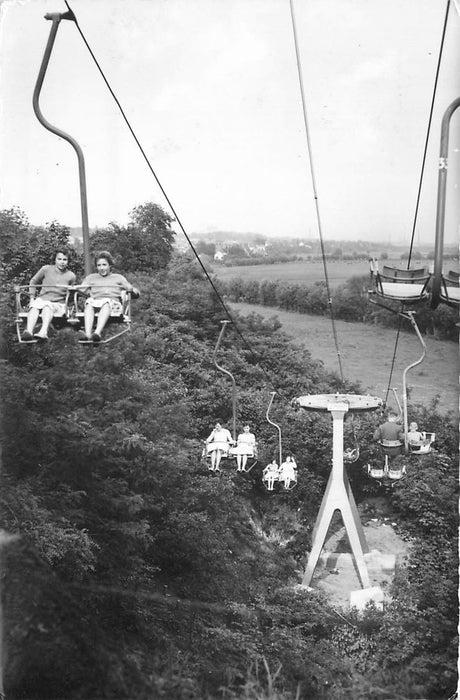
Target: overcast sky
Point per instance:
(211, 90)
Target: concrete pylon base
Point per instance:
(359, 599)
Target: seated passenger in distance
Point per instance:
(288, 471)
(245, 447)
(414, 436)
(390, 431)
(218, 445)
(270, 474)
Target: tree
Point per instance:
(146, 244)
(205, 248)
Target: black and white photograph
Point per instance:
(229, 349)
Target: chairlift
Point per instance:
(444, 287)
(449, 291)
(389, 471)
(410, 316)
(119, 320)
(230, 452)
(394, 284)
(23, 297)
(423, 446)
(279, 476)
(351, 454)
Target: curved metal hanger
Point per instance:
(280, 448)
(441, 204)
(229, 374)
(56, 18)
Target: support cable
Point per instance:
(438, 67)
(430, 118)
(216, 291)
(315, 194)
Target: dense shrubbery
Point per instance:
(349, 302)
(131, 572)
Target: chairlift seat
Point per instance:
(351, 455)
(396, 473)
(423, 446)
(376, 472)
(120, 315)
(392, 448)
(402, 285)
(117, 315)
(23, 297)
(450, 289)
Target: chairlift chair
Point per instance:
(423, 446)
(389, 470)
(22, 300)
(277, 480)
(450, 291)
(229, 456)
(120, 317)
(406, 286)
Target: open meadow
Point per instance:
(308, 271)
(366, 353)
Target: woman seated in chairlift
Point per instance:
(218, 445)
(105, 288)
(270, 474)
(288, 471)
(414, 436)
(245, 446)
(54, 281)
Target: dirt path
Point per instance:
(336, 575)
(366, 354)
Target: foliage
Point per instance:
(146, 244)
(349, 301)
(131, 572)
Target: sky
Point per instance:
(211, 89)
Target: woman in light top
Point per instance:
(105, 288)
(218, 444)
(270, 474)
(245, 446)
(414, 436)
(288, 471)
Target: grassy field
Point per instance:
(366, 353)
(306, 272)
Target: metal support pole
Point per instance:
(441, 204)
(280, 446)
(338, 496)
(410, 316)
(229, 374)
(56, 18)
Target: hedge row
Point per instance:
(349, 302)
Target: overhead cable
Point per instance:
(315, 194)
(427, 137)
(216, 291)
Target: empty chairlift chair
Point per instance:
(450, 290)
(406, 286)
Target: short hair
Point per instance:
(105, 255)
(413, 426)
(63, 250)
